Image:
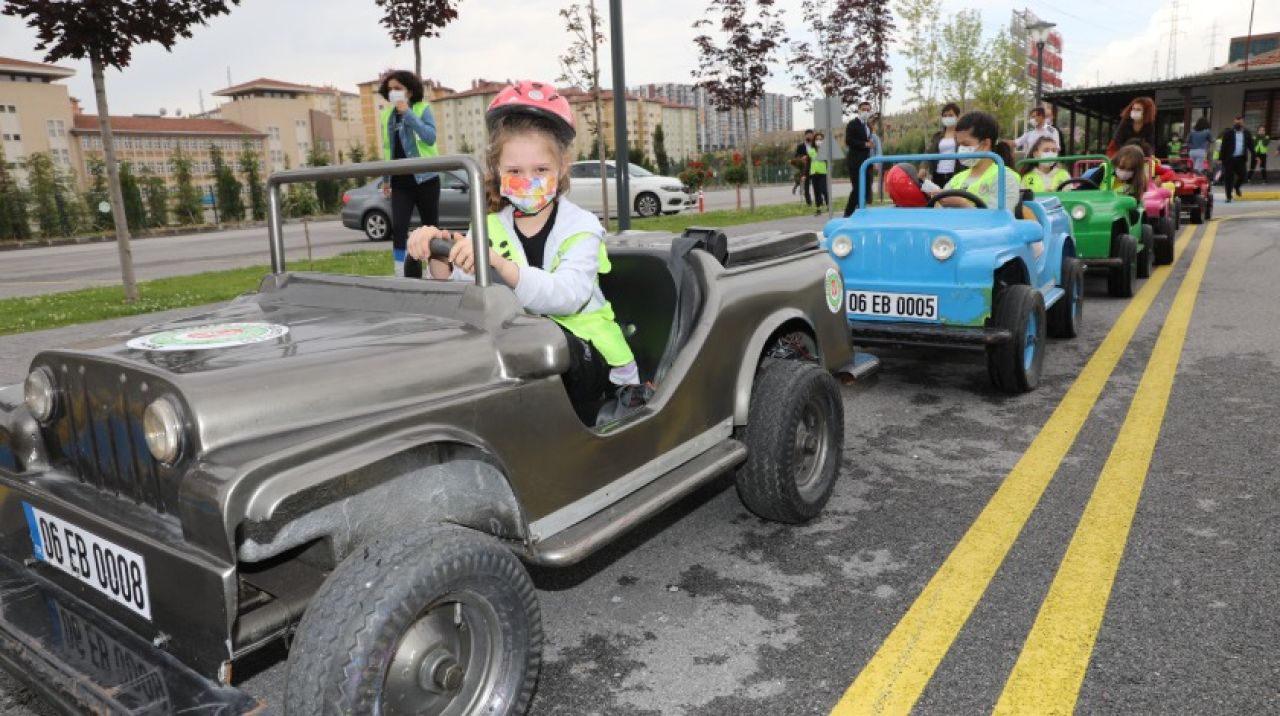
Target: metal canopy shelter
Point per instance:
(1100, 107)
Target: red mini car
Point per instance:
(1193, 189)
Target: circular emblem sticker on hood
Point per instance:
(217, 335)
(832, 288)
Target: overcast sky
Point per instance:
(341, 43)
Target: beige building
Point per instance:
(460, 125)
(679, 124)
(295, 118)
(148, 144)
(35, 115)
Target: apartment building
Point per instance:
(372, 104)
(295, 118)
(35, 114)
(724, 130)
(460, 124)
(148, 144)
(679, 124)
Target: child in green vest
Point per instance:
(1046, 176)
(547, 249)
(1260, 144)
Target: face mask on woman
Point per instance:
(949, 121)
(1124, 174)
(1135, 115)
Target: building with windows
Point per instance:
(718, 130)
(644, 115)
(296, 119)
(460, 126)
(147, 144)
(35, 114)
(1021, 20)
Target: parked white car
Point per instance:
(651, 194)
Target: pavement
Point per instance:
(981, 551)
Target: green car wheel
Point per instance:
(1121, 279)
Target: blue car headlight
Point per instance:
(943, 248)
(841, 246)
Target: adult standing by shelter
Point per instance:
(1039, 127)
(801, 162)
(408, 130)
(857, 140)
(1237, 146)
(1137, 121)
(1198, 145)
(942, 142)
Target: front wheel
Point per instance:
(648, 205)
(1197, 211)
(1121, 279)
(1067, 314)
(1015, 365)
(1208, 207)
(1146, 262)
(443, 622)
(794, 436)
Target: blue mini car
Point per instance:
(968, 278)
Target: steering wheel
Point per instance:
(977, 201)
(1078, 181)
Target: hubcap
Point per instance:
(376, 226)
(811, 446)
(447, 661)
(1029, 350)
(648, 206)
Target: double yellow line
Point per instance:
(898, 673)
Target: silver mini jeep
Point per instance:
(361, 465)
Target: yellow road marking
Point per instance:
(898, 672)
(1048, 674)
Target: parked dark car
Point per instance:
(357, 467)
(366, 209)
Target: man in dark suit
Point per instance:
(1235, 153)
(857, 140)
(801, 163)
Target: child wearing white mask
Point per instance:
(1045, 176)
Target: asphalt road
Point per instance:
(35, 271)
(709, 610)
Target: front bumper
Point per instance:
(83, 661)
(926, 334)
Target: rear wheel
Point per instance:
(1145, 262)
(1121, 279)
(1208, 207)
(1197, 211)
(1177, 213)
(377, 226)
(1163, 248)
(648, 205)
(1014, 366)
(794, 436)
(1067, 314)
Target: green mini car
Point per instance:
(1107, 226)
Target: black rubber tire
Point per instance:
(1067, 315)
(350, 631)
(785, 393)
(1197, 211)
(1006, 364)
(1176, 215)
(1121, 279)
(1146, 262)
(648, 205)
(1208, 208)
(1163, 248)
(375, 219)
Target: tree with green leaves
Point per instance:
(157, 198)
(1003, 87)
(412, 20)
(920, 37)
(135, 210)
(733, 69)
(105, 33)
(580, 66)
(251, 169)
(98, 194)
(660, 155)
(328, 192)
(638, 156)
(227, 188)
(356, 154)
(961, 46)
(47, 200)
(14, 221)
(187, 206)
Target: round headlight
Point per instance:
(841, 246)
(162, 426)
(943, 248)
(1078, 212)
(40, 395)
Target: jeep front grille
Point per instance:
(97, 434)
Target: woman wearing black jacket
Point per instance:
(1137, 121)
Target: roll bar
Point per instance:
(475, 177)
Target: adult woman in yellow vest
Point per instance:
(408, 130)
(818, 174)
(547, 249)
(1044, 177)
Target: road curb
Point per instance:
(163, 234)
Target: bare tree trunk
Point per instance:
(417, 56)
(751, 164)
(113, 184)
(594, 20)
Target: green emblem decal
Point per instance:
(834, 291)
(219, 335)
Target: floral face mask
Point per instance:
(529, 195)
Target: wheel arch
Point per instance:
(776, 325)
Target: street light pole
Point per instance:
(1039, 70)
(620, 141)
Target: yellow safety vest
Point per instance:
(1039, 182)
(985, 187)
(816, 166)
(424, 149)
(598, 327)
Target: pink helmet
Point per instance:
(538, 99)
